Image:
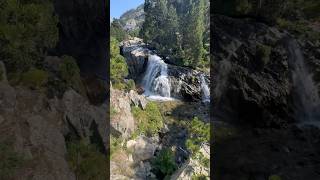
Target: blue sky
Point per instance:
(118, 7)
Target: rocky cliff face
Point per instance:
(253, 76)
(122, 121)
(254, 69)
(185, 83)
(133, 19)
(39, 127)
(83, 34)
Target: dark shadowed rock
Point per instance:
(252, 73)
(83, 34)
(39, 127)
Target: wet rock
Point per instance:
(185, 82)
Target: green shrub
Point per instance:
(115, 144)
(86, 161)
(116, 30)
(300, 28)
(199, 177)
(263, 54)
(10, 161)
(243, 6)
(164, 163)
(131, 85)
(199, 133)
(274, 177)
(118, 66)
(34, 78)
(70, 74)
(149, 120)
(113, 112)
(27, 30)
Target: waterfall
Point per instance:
(156, 81)
(205, 89)
(306, 97)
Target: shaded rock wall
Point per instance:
(38, 127)
(253, 76)
(83, 34)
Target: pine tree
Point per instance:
(176, 28)
(193, 33)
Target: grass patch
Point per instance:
(199, 177)
(263, 54)
(10, 161)
(34, 78)
(149, 120)
(70, 74)
(86, 161)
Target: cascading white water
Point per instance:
(306, 98)
(205, 89)
(156, 81)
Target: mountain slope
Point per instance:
(132, 20)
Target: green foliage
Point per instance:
(311, 9)
(27, 31)
(177, 29)
(270, 10)
(193, 33)
(263, 54)
(134, 33)
(130, 85)
(10, 161)
(113, 112)
(116, 31)
(199, 177)
(34, 78)
(164, 162)
(274, 177)
(115, 144)
(118, 66)
(86, 161)
(199, 133)
(149, 120)
(300, 28)
(243, 6)
(69, 73)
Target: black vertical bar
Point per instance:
(108, 85)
